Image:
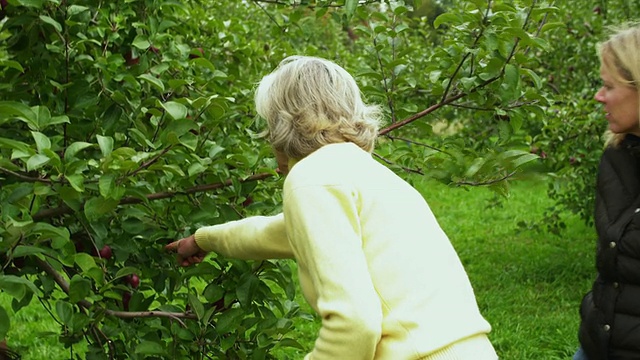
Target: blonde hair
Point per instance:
(310, 102)
(620, 57)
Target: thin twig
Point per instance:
(384, 81)
(485, 183)
(417, 143)
(389, 162)
(151, 162)
(24, 177)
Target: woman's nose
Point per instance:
(599, 95)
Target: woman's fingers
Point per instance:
(172, 246)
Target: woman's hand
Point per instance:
(188, 251)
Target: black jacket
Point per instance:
(610, 313)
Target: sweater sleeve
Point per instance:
(252, 238)
(326, 239)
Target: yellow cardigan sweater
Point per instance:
(372, 259)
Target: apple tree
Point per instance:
(569, 138)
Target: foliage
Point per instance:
(117, 118)
(569, 136)
(127, 124)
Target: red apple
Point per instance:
(130, 60)
(106, 252)
(126, 297)
(248, 201)
(134, 280)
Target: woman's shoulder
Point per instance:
(331, 165)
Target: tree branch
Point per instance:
(389, 162)
(417, 143)
(151, 162)
(64, 209)
(485, 183)
(64, 285)
(446, 101)
(426, 111)
(24, 177)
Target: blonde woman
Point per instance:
(372, 259)
(610, 313)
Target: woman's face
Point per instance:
(620, 104)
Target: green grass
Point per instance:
(528, 283)
(33, 332)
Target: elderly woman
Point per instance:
(372, 259)
(610, 313)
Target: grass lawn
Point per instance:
(528, 283)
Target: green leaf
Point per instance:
(141, 42)
(447, 18)
(288, 342)
(552, 25)
(196, 306)
(37, 161)
(351, 6)
(176, 110)
(5, 323)
(55, 120)
(12, 64)
(79, 288)
(20, 110)
(511, 75)
(204, 62)
(153, 81)
(43, 116)
(127, 270)
(475, 167)
(64, 311)
(74, 148)
(85, 261)
(76, 181)
(107, 185)
(106, 145)
(46, 230)
(246, 290)
(42, 141)
(13, 144)
(25, 250)
(76, 9)
(94, 208)
(524, 159)
(150, 348)
(17, 285)
(531, 74)
(227, 321)
(56, 25)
